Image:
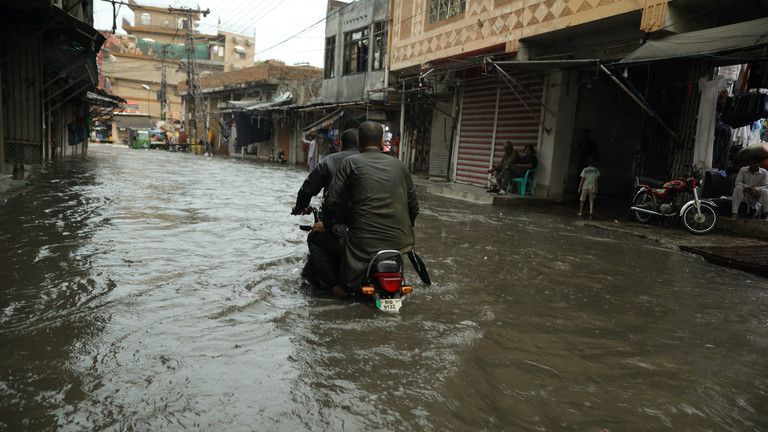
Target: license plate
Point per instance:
(389, 305)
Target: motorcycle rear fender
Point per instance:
(693, 203)
(640, 190)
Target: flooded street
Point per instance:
(147, 290)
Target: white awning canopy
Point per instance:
(743, 41)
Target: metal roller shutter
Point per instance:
(441, 133)
(478, 109)
(519, 116)
(492, 114)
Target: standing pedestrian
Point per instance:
(588, 186)
(311, 141)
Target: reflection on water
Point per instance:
(147, 290)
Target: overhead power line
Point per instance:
(306, 29)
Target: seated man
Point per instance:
(751, 187)
(382, 200)
(525, 162)
(324, 246)
(502, 169)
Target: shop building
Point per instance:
(47, 73)
(242, 108)
(146, 64)
(540, 73)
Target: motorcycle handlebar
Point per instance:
(307, 211)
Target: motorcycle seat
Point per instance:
(387, 266)
(648, 181)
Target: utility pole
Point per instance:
(193, 87)
(163, 94)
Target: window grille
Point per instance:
(379, 45)
(356, 51)
(443, 9)
(330, 57)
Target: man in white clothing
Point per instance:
(751, 187)
(311, 153)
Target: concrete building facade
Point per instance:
(356, 51)
(134, 63)
(492, 72)
(47, 73)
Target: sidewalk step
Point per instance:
(474, 194)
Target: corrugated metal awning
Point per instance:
(254, 104)
(326, 121)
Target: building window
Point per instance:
(444, 9)
(379, 45)
(146, 19)
(182, 24)
(330, 57)
(217, 51)
(356, 51)
(240, 51)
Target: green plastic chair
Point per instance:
(523, 182)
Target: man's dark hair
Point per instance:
(370, 134)
(349, 139)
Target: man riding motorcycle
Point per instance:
(325, 247)
(382, 202)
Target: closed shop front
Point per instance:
(493, 113)
(441, 135)
(478, 118)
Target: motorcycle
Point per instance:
(666, 199)
(384, 281)
(280, 158)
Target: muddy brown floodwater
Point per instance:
(146, 290)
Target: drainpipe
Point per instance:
(495, 125)
(387, 46)
(2, 127)
(402, 124)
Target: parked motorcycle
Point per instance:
(280, 158)
(384, 280)
(666, 199)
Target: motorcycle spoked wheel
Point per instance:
(647, 201)
(700, 223)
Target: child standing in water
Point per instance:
(588, 186)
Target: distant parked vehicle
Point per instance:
(140, 139)
(149, 139)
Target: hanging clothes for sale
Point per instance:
(77, 131)
(722, 145)
(745, 108)
(758, 75)
(251, 129)
(705, 128)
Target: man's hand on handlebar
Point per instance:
(304, 211)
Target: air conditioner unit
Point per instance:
(58, 3)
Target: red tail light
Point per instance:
(389, 282)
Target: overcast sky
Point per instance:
(270, 20)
